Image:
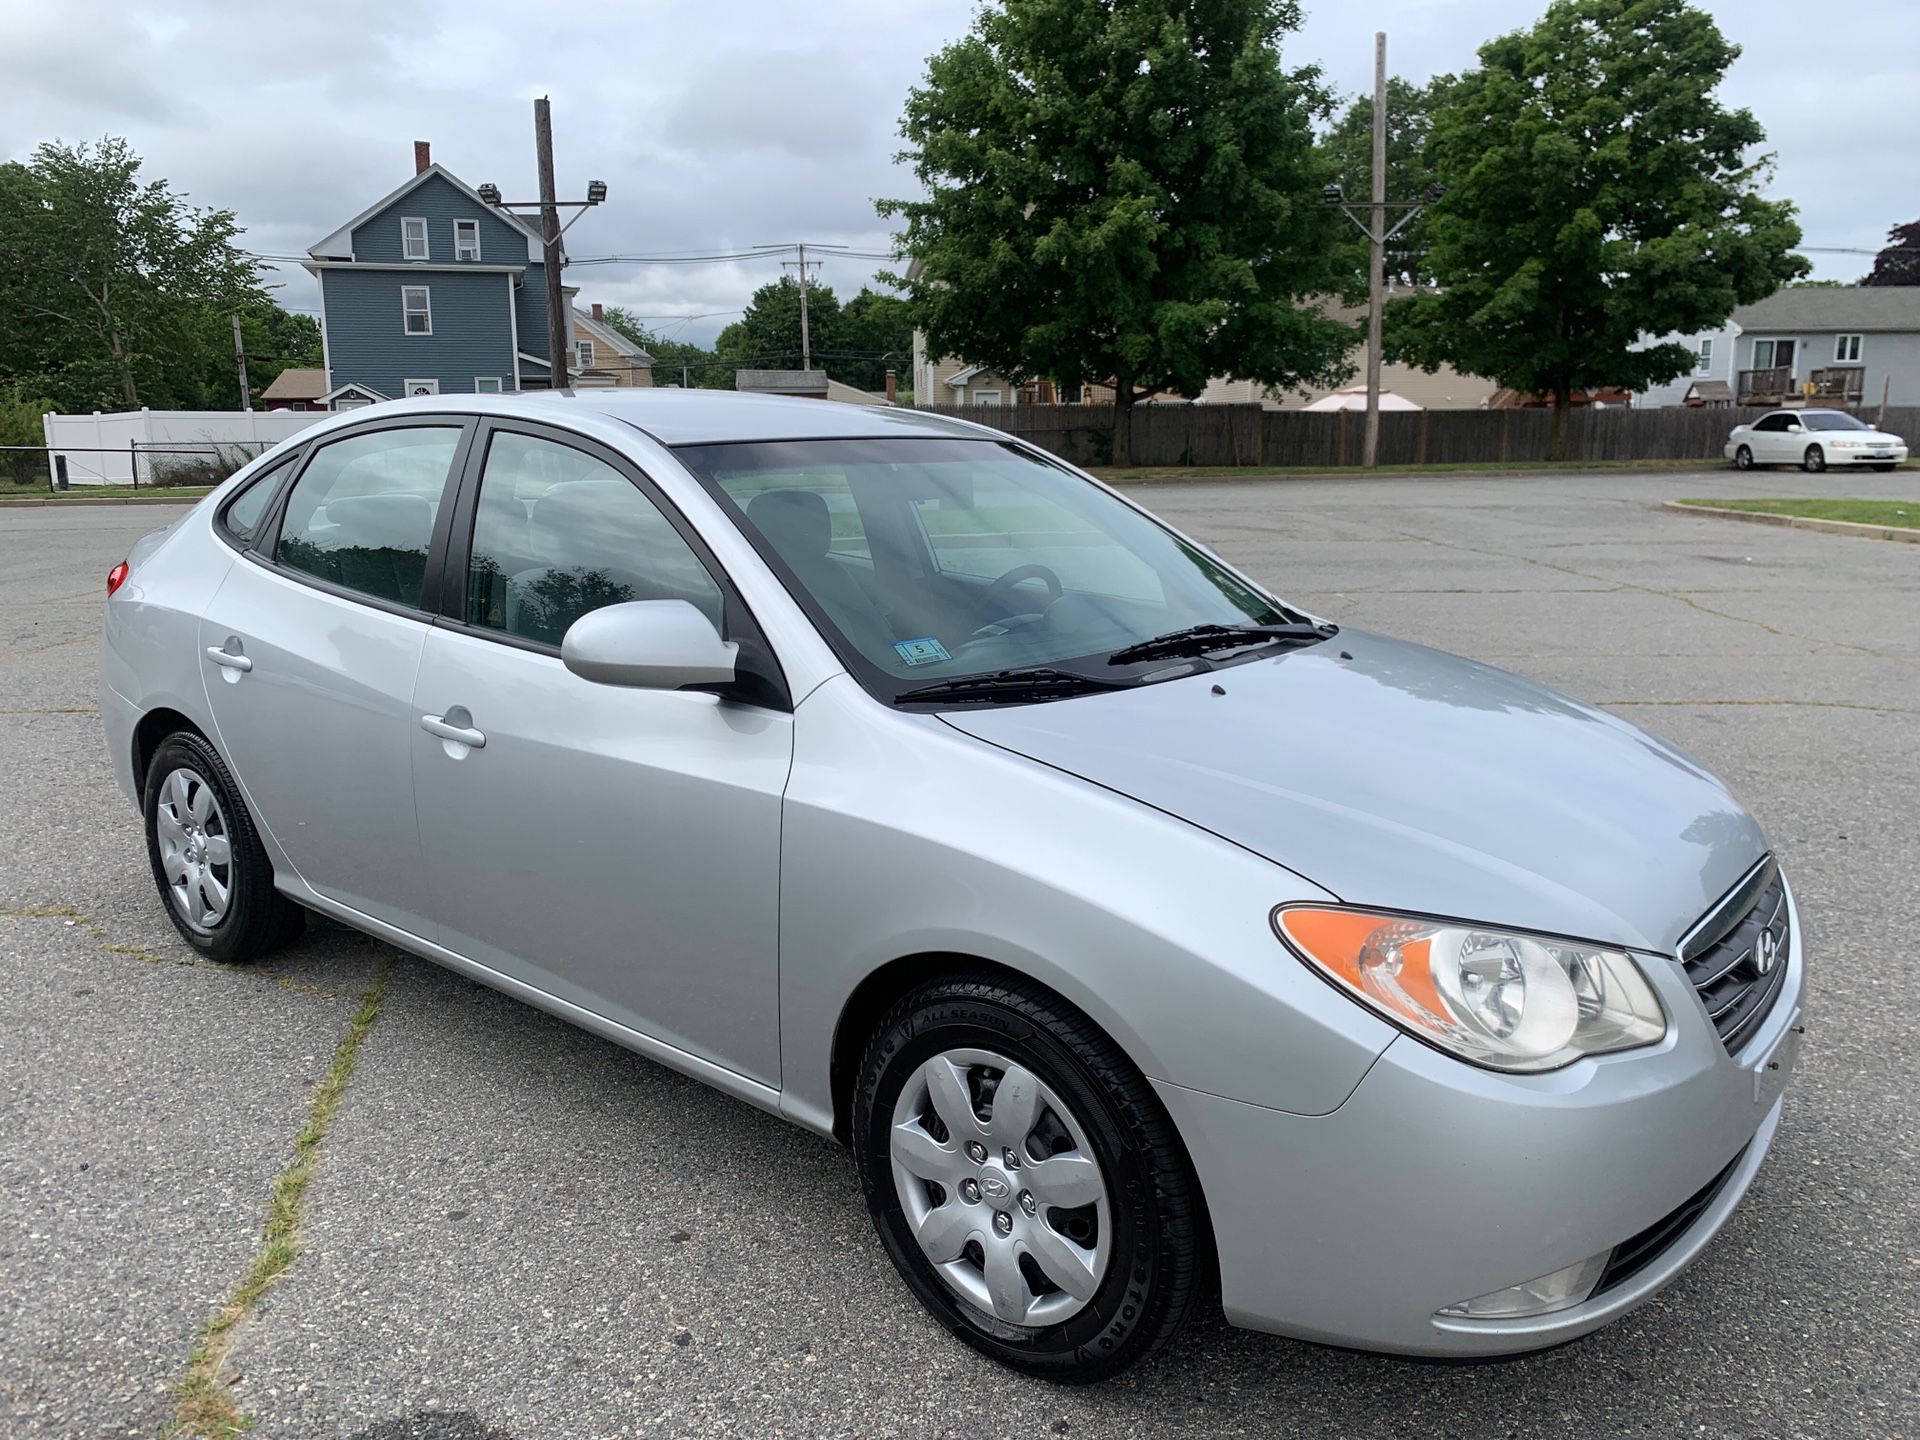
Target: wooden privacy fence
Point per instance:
(1282, 439)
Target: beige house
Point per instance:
(602, 357)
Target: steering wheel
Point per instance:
(1000, 593)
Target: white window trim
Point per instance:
(460, 246)
(1840, 346)
(1774, 364)
(481, 382)
(406, 386)
(1703, 357)
(406, 240)
(986, 397)
(426, 294)
(583, 354)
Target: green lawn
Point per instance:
(1902, 514)
(103, 492)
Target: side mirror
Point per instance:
(650, 645)
(1796, 428)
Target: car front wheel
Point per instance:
(1814, 461)
(214, 876)
(1025, 1180)
(1743, 458)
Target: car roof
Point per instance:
(694, 417)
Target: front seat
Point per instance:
(799, 526)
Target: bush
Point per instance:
(166, 470)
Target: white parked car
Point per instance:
(1813, 440)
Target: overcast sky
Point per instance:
(727, 125)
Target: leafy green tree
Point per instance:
(1349, 146)
(675, 362)
(1899, 263)
(275, 340)
(114, 287)
(1596, 191)
(874, 334)
(1123, 192)
(767, 334)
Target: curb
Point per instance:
(1802, 522)
(10, 502)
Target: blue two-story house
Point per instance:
(432, 291)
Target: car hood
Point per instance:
(1402, 777)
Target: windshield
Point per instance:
(931, 559)
(1832, 420)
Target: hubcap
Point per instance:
(196, 851)
(1000, 1187)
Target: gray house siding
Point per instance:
(1884, 355)
(532, 302)
(368, 344)
(439, 204)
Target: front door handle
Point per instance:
(460, 734)
(228, 659)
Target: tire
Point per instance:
(191, 806)
(1743, 458)
(1138, 1249)
(1814, 461)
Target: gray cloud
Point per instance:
(721, 127)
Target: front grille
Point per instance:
(1739, 975)
(1632, 1256)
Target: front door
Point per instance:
(310, 653)
(616, 848)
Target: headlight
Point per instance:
(1500, 998)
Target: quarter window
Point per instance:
(1846, 349)
(416, 309)
(558, 533)
(466, 239)
(361, 514)
(242, 515)
(413, 238)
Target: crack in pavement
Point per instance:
(204, 1397)
(148, 956)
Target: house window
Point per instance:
(466, 239)
(1773, 354)
(986, 397)
(1704, 363)
(1846, 349)
(583, 354)
(486, 384)
(419, 387)
(416, 308)
(413, 238)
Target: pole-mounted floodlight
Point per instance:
(1334, 194)
(489, 192)
(596, 192)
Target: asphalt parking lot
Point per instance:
(517, 1230)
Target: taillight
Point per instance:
(116, 577)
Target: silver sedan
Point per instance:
(1144, 935)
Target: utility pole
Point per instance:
(551, 230)
(806, 334)
(240, 364)
(1378, 234)
(1377, 249)
(557, 326)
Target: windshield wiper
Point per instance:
(1201, 639)
(1034, 682)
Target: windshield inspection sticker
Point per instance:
(924, 651)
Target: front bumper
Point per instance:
(1837, 458)
(1437, 1182)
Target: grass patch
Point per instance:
(205, 1405)
(1895, 514)
(1479, 467)
(106, 492)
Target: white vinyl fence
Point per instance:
(104, 449)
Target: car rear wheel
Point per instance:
(214, 876)
(1814, 461)
(1743, 458)
(1025, 1180)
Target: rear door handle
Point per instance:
(228, 659)
(459, 734)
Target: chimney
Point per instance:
(422, 156)
(597, 315)
(893, 385)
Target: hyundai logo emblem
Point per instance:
(995, 1187)
(1767, 953)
